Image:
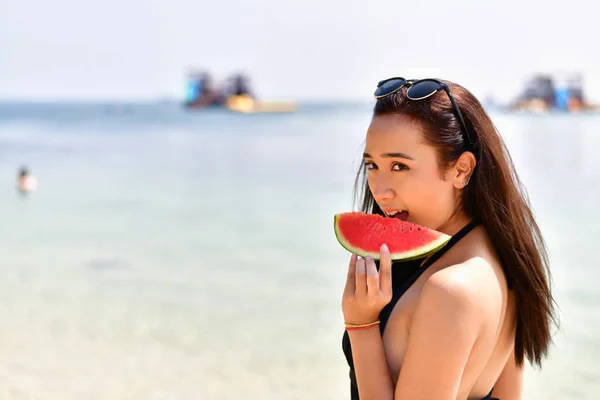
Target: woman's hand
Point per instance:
(367, 291)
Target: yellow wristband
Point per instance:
(363, 325)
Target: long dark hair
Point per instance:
(495, 195)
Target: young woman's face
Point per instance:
(404, 176)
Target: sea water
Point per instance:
(190, 255)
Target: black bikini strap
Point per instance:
(453, 240)
(385, 313)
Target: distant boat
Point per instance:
(200, 92)
(544, 93)
(248, 105)
(234, 95)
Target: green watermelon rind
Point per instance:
(419, 252)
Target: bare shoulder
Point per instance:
(469, 285)
(462, 278)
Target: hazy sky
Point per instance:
(307, 49)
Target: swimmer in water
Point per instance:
(26, 182)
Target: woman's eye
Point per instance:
(399, 167)
(395, 166)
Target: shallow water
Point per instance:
(169, 255)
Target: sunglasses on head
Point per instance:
(418, 90)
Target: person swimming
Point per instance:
(25, 182)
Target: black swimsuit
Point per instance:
(403, 277)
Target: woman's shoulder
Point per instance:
(472, 286)
(464, 277)
(459, 282)
(452, 308)
(473, 268)
(468, 282)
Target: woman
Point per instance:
(459, 324)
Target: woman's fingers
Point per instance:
(361, 278)
(372, 277)
(385, 271)
(351, 279)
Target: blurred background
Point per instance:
(170, 171)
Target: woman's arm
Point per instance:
(367, 291)
(372, 371)
(510, 383)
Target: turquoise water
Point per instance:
(169, 255)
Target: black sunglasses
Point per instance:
(418, 90)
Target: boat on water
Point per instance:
(545, 93)
(235, 95)
(248, 105)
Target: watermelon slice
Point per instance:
(363, 234)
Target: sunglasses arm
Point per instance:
(459, 113)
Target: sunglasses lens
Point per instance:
(421, 90)
(390, 86)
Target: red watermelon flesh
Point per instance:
(363, 234)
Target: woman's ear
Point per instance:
(463, 169)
